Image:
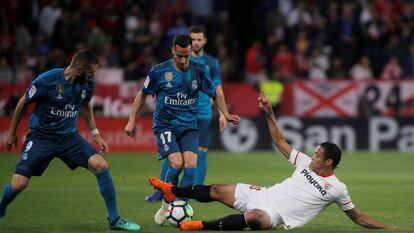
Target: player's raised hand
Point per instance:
(264, 103)
(130, 129)
(11, 140)
(222, 123)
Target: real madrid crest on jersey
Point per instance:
(83, 94)
(60, 89)
(194, 85)
(168, 78)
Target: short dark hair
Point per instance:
(85, 58)
(332, 151)
(182, 40)
(198, 29)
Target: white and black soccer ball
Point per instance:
(179, 211)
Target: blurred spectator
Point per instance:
(23, 39)
(11, 104)
(393, 48)
(349, 32)
(24, 74)
(178, 28)
(255, 64)
(301, 64)
(283, 60)
(361, 71)
(337, 70)
(227, 63)
(299, 15)
(132, 20)
(6, 72)
(97, 40)
(48, 17)
(275, 23)
(408, 64)
(201, 10)
(42, 33)
(392, 70)
(318, 65)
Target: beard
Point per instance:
(81, 78)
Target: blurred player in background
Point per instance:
(60, 94)
(176, 84)
(205, 113)
(291, 203)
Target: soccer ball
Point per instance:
(179, 211)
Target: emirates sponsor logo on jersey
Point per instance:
(69, 111)
(181, 100)
(313, 181)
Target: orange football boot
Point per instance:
(191, 226)
(164, 187)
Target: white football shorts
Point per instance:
(249, 197)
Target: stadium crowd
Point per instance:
(267, 39)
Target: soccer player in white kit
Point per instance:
(291, 203)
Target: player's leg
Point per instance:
(242, 197)
(201, 193)
(10, 192)
(190, 162)
(34, 159)
(169, 150)
(256, 219)
(189, 147)
(201, 169)
(76, 152)
(157, 195)
(205, 133)
(234, 222)
(175, 164)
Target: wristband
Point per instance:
(94, 132)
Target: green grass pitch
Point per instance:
(380, 184)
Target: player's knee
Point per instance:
(216, 192)
(99, 165)
(19, 184)
(190, 164)
(176, 164)
(203, 149)
(257, 219)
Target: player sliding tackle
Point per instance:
(291, 203)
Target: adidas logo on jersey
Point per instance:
(169, 85)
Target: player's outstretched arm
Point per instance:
(221, 105)
(222, 118)
(90, 121)
(277, 136)
(367, 221)
(136, 108)
(21, 108)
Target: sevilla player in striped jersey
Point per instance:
(291, 203)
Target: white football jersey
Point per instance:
(305, 194)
